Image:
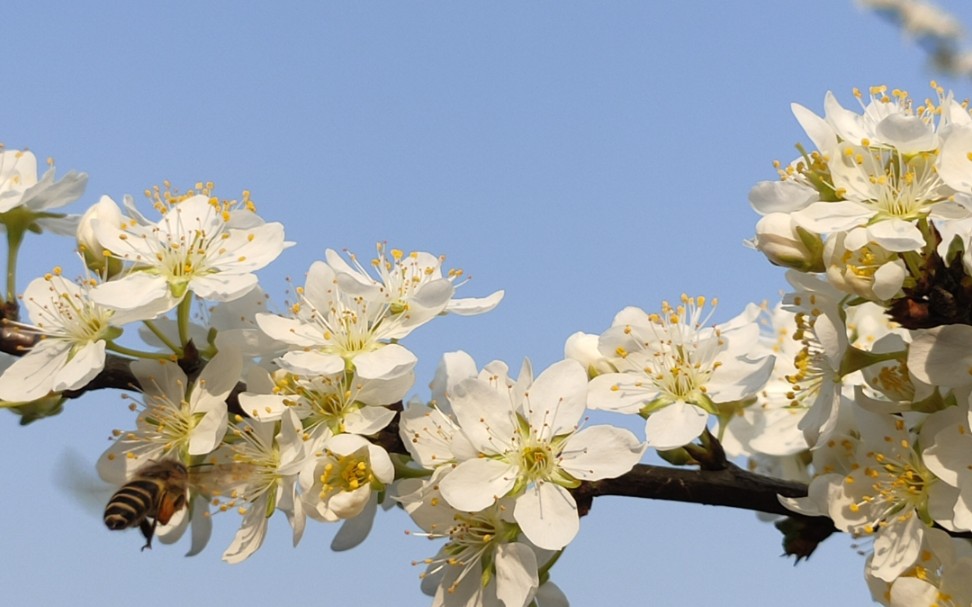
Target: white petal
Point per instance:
(909, 591)
(160, 379)
(516, 573)
(470, 306)
(827, 217)
(550, 595)
(140, 293)
(953, 160)
(845, 122)
(222, 286)
(387, 362)
(250, 536)
(675, 425)
(896, 546)
(547, 514)
(247, 250)
(354, 530)
(81, 368)
(620, 392)
(312, 363)
(57, 194)
(202, 525)
(476, 483)
(820, 133)
(265, 407)
(781, 197)
(208, 433)
(32, 376)
(485, 416)
(557, 399)
(289, 330)
(739, 378)
(942, 356)
(896, 235)
(888, 279)
(217, 380)
(434, 295)
(909, 134)
(600, 452)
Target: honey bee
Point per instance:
(156, 491)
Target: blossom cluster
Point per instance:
(870, 403)
(295, 411)
(858, 384)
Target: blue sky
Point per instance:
(583, 156)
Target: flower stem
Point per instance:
(162, 337)
(182, 316)
(15, 236)
(137, 353)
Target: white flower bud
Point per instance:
(582, 347)
(786, 244)
(103, 211)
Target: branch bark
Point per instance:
(725, 485)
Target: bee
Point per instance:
(156, 491)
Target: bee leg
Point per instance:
(148, 530)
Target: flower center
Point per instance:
(345, 473)
(537, 462)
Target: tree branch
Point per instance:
(718, 484)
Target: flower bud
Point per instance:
(582, 347)
(786, 244)
(104, 211)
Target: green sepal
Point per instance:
(676, 457)
(30, 412)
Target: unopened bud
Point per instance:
(582, 347)
(104, 212)
(786, 244)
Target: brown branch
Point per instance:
(731, 486)
(718, 483)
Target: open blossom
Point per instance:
(408, 283)
(947, 452)
(337, 403)
(73, 331)
(177, 420)
(333, 329)
(273, 458)
(768, 427)
(342, 480)
(21, 192)
(345, 317)
(941, 356)
(822, 335)
(887, 492)
(200, 245)
(877, 173)
(526, 444)
(940, 578)
(675, 370)
(485, 561)
(868, 271)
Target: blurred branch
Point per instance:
(938, 32)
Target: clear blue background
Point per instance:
(584, 156)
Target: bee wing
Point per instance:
(77, 478)
(220, 480)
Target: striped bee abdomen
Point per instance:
(155, 493)
(131, 504)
